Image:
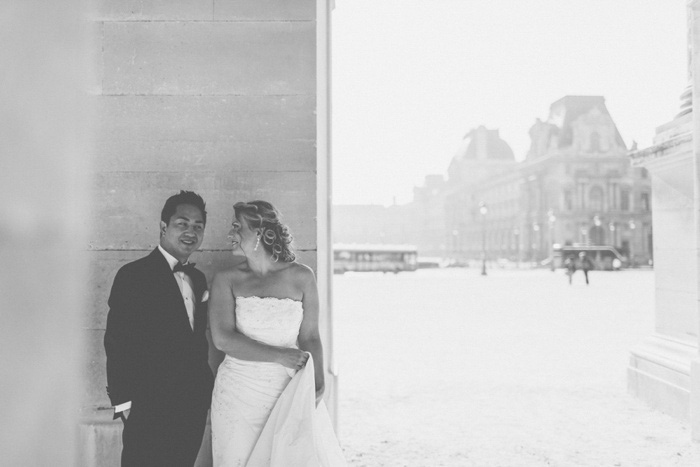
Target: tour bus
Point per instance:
(603, 256)
(366, 257)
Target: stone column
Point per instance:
(324, 259)
(664, 369)
(695, 79)
(215, 96)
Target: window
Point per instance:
(625, 200)
(568, 200)
(595, 142)
(645, 202)
(595, 197)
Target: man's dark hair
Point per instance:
(184, 197)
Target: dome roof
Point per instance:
(483, 144)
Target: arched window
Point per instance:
(595, 142)
(595, 199)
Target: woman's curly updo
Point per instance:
(276, 238)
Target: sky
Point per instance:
(411, 77)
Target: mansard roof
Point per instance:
(566, 110)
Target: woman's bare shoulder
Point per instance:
(301, 272)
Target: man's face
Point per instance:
(183, 233)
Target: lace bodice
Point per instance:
(273, 321)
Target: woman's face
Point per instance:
(243, 238)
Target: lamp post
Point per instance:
(455, 247)
(597, 239)
(483, 210)
(536, 241)
(631, 252)
(552, 219)
(612, 228)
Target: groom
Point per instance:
(157, 351)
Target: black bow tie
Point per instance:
(186, 268)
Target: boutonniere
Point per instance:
(205, 296)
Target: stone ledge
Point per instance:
(661, 150)
(659, 374)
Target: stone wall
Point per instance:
(214, 96)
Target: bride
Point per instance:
(267, 407)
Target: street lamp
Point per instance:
(455, 247)
(483, 210)
(536, 241)
(596, 236)
(612, 233)
(552, 219)
(631, 252)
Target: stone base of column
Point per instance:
(100, 442)
(659, 373)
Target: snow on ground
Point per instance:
(517, 368)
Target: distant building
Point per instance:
(575, 186)
(483, 170)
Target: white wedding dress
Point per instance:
(264, 414)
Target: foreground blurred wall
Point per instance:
(44, 140)
(215, 96)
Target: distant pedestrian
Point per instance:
(586, 264)
(570, 266)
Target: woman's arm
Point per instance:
(309, 337)
(222, 321)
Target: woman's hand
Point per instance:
(292, 358)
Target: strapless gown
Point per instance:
(262, 413)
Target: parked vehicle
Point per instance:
(374, 257)
(603, 256)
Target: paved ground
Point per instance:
(449, 368)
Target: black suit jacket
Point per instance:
(154, 358)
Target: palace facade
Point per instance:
(576, 186)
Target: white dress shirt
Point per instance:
(185, 284)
